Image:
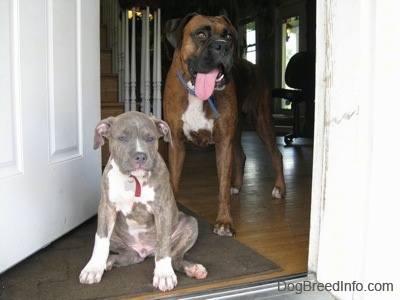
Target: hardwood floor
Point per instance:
(275, 228)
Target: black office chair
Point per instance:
(299, 75)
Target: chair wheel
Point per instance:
(288, 140)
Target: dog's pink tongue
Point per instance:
(205, 84)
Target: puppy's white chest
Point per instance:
(124, 191)
(194, 118)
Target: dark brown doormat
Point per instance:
(53, 272)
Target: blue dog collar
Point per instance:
(191, 91)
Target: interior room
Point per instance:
(83, 61)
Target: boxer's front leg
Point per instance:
(94, 269)
(224, 222)
(176, 157)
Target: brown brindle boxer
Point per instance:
(202, 106)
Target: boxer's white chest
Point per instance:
(194, 117)
(122, 191)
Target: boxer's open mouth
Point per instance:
(205, 83)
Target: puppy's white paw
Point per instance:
(165, 282)
(198, 271)
(164, 276)
(94, 269)
(92, 273)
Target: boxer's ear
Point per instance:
(234, 32)
(174, 30)
(102, 129)
(171, 31)
(163, 129)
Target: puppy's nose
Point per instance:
(139, 157)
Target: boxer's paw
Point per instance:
(92, 273)
(198, 271)
(224, 229)
(234, 191)
(164, 276)
(278, 193)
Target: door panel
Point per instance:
(50, 104)
(65, 96)
(10, 106)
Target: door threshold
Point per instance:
(299, 286)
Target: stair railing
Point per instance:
(125, 57)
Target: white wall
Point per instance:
(355, 218)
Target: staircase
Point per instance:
(110, 106)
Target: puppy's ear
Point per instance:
(102, 129)
(163, 129)
(174, 30)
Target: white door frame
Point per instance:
(354, 212)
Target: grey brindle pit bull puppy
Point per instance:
(138, 216)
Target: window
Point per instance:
(290, 46)
(250, 47)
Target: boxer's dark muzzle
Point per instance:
(212, 67)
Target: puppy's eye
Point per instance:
(229, 37)
(123, 138)
(201, 35)
(150, 139)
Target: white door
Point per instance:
(49, 106)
